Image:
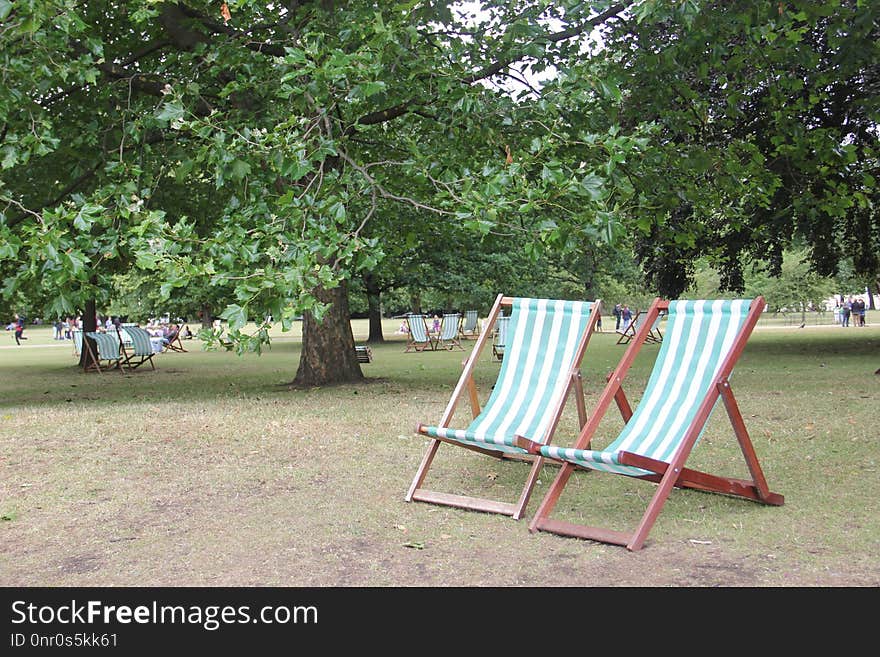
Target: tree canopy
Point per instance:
(279, 150)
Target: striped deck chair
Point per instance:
(654, 335)
(448, 336)
(541, 366)
(107, 350)
(469, 325)
(499, 340)
(703, 342)
(77, 342)
(141, 347)
(174, 343)
(418, 338)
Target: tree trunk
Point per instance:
(374, 303)
(89, 324)
(207, 316)
(328, 354)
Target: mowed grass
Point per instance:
(211, 470)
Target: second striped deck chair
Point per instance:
(541, 367)
(418, 338)
(141, 347)
(703, 342)
(448, 336)
(499, 340)
(469, 324)
(107, 350)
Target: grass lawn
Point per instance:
(211, 471)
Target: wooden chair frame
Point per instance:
(448, 337)
(466, 385)
(94, 358)
(411, 343)
(667, 475)
(175, 343)
(129, 359)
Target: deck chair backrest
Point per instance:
(108, 345)
(140, 340)
(699, 336)
(418, 330)
(77, 341)
(543, 337)
(449, 326)
(470, 321)
(500, 339)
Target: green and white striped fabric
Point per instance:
(108, 345)
(544, 338)
(470, 321)
(418, 330)
(500, 340)
(77, 342)
(699, 336)
(449, 326)
(140, 341)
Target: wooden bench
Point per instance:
(364, 354)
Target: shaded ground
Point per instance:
(207, 473)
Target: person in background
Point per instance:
(625, 316)
(858, 312)
(19, 329)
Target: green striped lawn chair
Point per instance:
(499, 340)
(703, 342)
(469, 324)
(77, 342)
(541, 366)
(107, 350)
(141, 347)
(418, 338)
(448, 336)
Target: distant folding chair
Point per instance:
(499, 339)
(628, 332)
(364, 353)
(77, 342)
(141, 347)
(107, 350)
(470, 325)
(448, 336)
(418, 338)
(541, 366)
(703, 342)
(174, 343)
(654, 335)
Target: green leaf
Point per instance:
(170, 112)
(236, 316)
(239, 169)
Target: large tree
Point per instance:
(766, 117)
(305, 116)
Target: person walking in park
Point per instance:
(616, 313)
(626, 316)
(858, 312)
(19, 329)
(845, 311)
